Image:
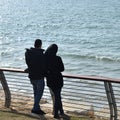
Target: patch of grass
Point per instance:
(14, 116)
(8, 115)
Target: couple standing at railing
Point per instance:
(45, 64)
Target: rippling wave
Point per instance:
(92, 57)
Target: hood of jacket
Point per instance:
(34, 50)
(52, 50)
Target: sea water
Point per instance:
(87, 33)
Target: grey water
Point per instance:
(86, 31)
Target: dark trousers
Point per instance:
(38, 88)
(57, 102)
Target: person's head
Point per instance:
(52, 50)
(38, 43)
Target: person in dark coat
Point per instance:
(54, 78)
(35, 61)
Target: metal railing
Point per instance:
(96, 97)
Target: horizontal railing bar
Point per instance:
(23, 82)
(19, 84)
(20, 99)
(12, 70)
(97, 95)
(80, 90)
(86, 97)
(95, 78)
(82, 95)
(90, 87)
(17, 75)
(82, 81)
(14, 94)
(98, 106)
(77, 85)
(83, 108)
(95, 101)
(28, 87)
(72, 104)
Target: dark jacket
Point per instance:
(35, 61)
(55, 66)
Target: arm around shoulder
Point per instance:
(61, 65)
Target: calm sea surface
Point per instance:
(86, 31)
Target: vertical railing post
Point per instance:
(6, 90)
(111, 100)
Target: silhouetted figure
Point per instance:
(54, 78)
(35, 61)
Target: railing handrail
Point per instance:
(86, 77)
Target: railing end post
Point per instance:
(6, 90)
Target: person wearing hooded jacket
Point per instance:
(35, 61)
(54, 78)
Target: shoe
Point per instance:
(56, 116)
(42, 111)
(39, 112)
(64, 116)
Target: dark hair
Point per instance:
(52, 50)
(38, 43)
